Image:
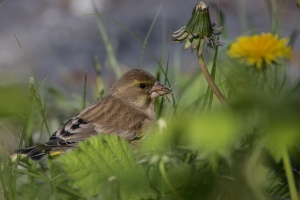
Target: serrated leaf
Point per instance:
(103, 158)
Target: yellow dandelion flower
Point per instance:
(260, 49)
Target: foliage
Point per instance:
(248, 149)
(105, 163)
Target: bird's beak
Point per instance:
(159, 90)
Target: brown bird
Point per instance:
(128, 110)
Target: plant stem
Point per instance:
(210, 80)
(108, 45)
(289, 174)
(84, 92)
(164, 175)
(187, 158)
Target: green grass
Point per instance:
(247, 150)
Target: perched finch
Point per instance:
(128, 110)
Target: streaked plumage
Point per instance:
(127, 110)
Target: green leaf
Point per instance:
(105, 163)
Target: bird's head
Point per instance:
(139, 88)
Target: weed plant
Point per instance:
(201, 148)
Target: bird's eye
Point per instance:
(142, 85)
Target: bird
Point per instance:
(128, 110)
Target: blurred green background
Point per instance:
(56, 57)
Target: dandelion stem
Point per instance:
(210, 80)
(289, 174)
(164, 175)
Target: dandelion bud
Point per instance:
(198, 31)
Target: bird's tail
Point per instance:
(35, 153)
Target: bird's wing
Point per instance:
(65, 138)
(105, 116)
(70, 133)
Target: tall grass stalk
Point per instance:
(108, 46)
(147, 37)
(100, 84)
(209, 94)
(84, 92)
(36, 97)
